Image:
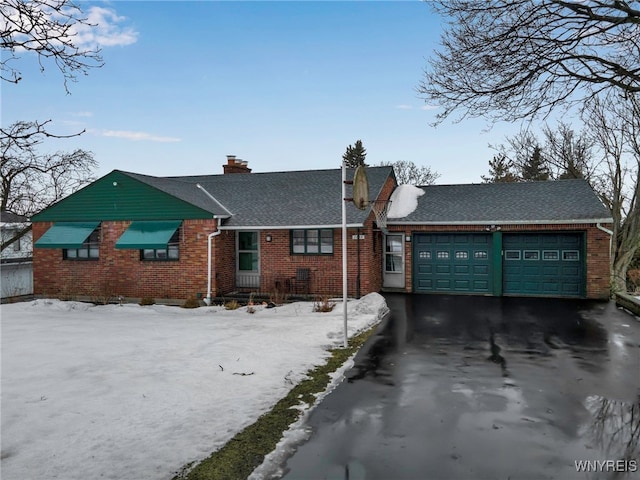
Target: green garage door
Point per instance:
(543, 264)
(452, 263)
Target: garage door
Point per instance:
(543, 264)
(452, 263)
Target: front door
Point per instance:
(248, 260)
(393, 261)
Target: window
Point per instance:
(481, 254)
(512, 254)
(90, 249)
(172, 252)
(531, 255)
(550, 255)
(425, 255)
(462, 255)
(312, 242)
(442, 255)
(571, 255)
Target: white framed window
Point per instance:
(550, 255)
(531, 255)
(512, 254)
(571, 255)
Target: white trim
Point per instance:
(289, 227)
(214, 199)
(510, 222)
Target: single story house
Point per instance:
(16, 277)
(139, 236)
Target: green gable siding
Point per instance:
(129, 199)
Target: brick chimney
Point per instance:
(235, 165)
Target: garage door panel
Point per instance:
(544, 264)
(454, 264)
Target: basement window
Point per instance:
(172, 252)
(90, 249)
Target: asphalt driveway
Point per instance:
(457, 387)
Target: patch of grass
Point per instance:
(246, 451)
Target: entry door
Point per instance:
(393, 262)
(248, 260)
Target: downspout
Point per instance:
(606, 230)
(610, 232)
(207, 300)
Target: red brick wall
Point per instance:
(121, 272)
(598, 281)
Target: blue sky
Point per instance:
(283, 85)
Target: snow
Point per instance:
(404, 200)
(138, 392)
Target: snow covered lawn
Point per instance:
(130, 392)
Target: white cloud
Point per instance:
(138, 136)
(429, 107)
(404, 107)
(82, 114)
(104, 29)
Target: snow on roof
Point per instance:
(404, 200)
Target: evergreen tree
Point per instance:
(535, 168)
(500, 170)
(355, 155)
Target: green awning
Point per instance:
(66, 235)
(148, 234)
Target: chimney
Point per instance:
(235, 165)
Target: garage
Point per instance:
(543, 264)
(456, 262)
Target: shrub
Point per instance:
(232, 305)
(147, 301)
(633, 277)
(323, 304)
(191, 302)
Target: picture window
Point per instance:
(312, 242)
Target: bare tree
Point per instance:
(49, 29)
(614, 124)
(408, 173)
(501, 170)
(31, 181)
(518, 59)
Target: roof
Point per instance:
(9, 217)
(559, 201)
(274, 199)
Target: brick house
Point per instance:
(173, 237)
(139, 235)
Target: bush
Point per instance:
(232, 305)
(191, 302)
(147, 301)
(323, 304)
(633, 277)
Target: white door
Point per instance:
(393, 261)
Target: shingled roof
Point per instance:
(276, 199)
(560, 201)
